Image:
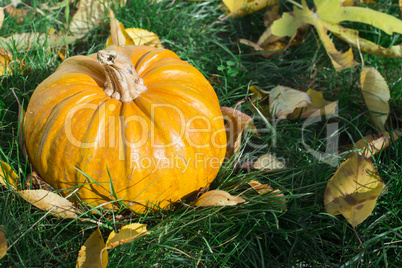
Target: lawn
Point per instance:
(260, 232)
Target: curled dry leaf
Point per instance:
(373, 144)
(236, 123)
(265, 188)
(218, 198)
(284, 100)
(126, 234)
(18, 13)
(376, 95)
(91, 253)
(327, 16)
(318, 107)
(6, 59)
(353, 190)
(45, 200)
(241, 7)
(8, 177)
(3, 244)
(34, 181)
(120, 36)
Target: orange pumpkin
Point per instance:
(134, 124)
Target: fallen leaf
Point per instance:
(372, 144)
(1, 16)
(90, 13)
(218, 198)
(8, 177)
(265, 188)
(142, 37)
(284, 100)
(5, 61)
(236, 123)
(268, 162)
(353, 190)
(126, 234)
(244, 7)
(319, 106)
(33, 41)
(118, 35)
(376, 95)
(327, 17)
(91, 254)
(34, 181)
(3, 244)
(18, 13)
(45, 200)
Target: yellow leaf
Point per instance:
(218, 198)
(8, 177)
(373, 144)
(1, 16)
(91, 254)
(45, 200)
(268, 161)
(32, 41)
(319, 106)
(118, 35)
(3, 244)
(90, 13)
(236, 123)
(327, 17)
(376, 95)
(284, 100)
(353, 190)
(244, 7)
(265, 188)
(142, 37)
(126, 234)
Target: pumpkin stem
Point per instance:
(122, 80)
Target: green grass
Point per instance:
(258, 233)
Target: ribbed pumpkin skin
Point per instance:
(148, 152)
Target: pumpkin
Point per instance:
(130, 124)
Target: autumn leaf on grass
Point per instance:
(244, 7)
(6, 59)
(236, 123)
(267, 163)
(120, 36)
(353, 190)
(91, 254)
(376, 95)
(265, 189)
(319, 106)
(45, 200)
(218, 198)
(327, 16)
(1, 16)
(33, 41)
(8, 177)
(372, 144)
(284, 100)
(126, 234)
(3, 244)
(18, 13)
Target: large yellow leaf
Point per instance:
(3, 244)
(126, 234)
(327, 16)
(376, 95)
(353, 190)
(91, 254)
(244, 7)
(45, 200)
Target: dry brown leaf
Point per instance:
(45, 200)
(376, 95)
(8, 177)
(126, 234)
(90, 13)
(91, 254)
(34, 181)
(18, 13)
(117, 33)
(353, 190)
(218, 198)
(373, 144)
(236, 123)
(284, 100)
(3, 244)
(265, 188)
